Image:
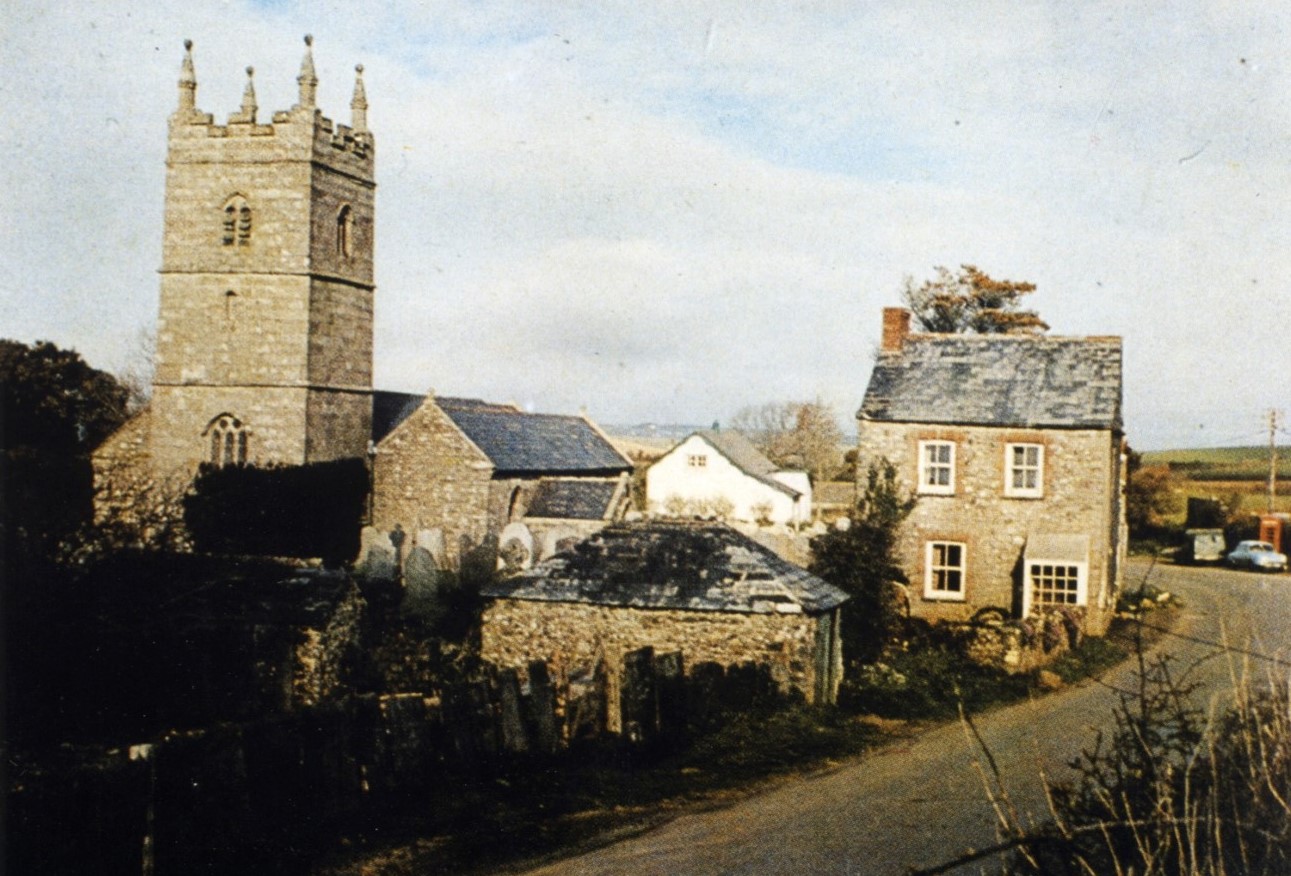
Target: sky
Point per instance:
(669, 211)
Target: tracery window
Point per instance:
(237, 221)
(228, 441)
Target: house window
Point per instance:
(1024, 470)
(237, 222)
(344, 232)
(944, 570)
(1056, 584)
(937, 467)
(228, 441)
(697, 460)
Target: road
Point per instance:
(922, 803)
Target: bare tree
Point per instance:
(136, 376)
(794, 434)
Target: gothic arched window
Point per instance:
(228, 440)
(237, 221)
(344, 232)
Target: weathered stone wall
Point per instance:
(1081, 495)
(576, 636)
(275, 328)
(428, 476)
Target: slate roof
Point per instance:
(670, 565)
(743, 455)
(998, 380)
(580, 499)
(389, 409)
(519, 443)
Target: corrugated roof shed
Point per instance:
(669, 565)
(998, 380)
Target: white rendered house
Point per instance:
(713, 473)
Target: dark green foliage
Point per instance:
(54, 410)
(140, 642)
(284, 511)
(859, 559)
(930, 677)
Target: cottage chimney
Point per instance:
(896, 328)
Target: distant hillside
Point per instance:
(1222, 463)
(651, 433)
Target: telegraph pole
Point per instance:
(1273, 456)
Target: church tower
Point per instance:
(264, 337)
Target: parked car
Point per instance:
(1258, 555)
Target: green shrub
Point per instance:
(282, 511)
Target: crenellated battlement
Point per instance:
(301, 126)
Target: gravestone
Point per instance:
(377, 556)
(542, 708)
(638, 697)
(421, 584)
(433, 541)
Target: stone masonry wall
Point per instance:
(276, 328)
(576, 636)
(1081, 485)
(428, 476)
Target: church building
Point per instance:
(265, 324)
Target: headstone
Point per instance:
(421, 583)
(542, 708)
(377, 558)
(705, 686)
(433, 541)
(638, 700)
(517, 548)
(555, 540)
(671, 689)
(514, 738)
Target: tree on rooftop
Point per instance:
(971, 301)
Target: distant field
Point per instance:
(1237, 475)
(1222, 463)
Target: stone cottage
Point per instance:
(712, 469)
(459, 475)
(1014, 447)
(699, 588)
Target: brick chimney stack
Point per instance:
(896, 328)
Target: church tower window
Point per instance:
(228, 441)
(344, 232)
(237, 221)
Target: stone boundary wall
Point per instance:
(577, 636)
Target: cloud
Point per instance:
(670, 211)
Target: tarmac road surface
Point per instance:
(923, 803)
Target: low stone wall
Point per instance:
(1022, 646)
(575, 637)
